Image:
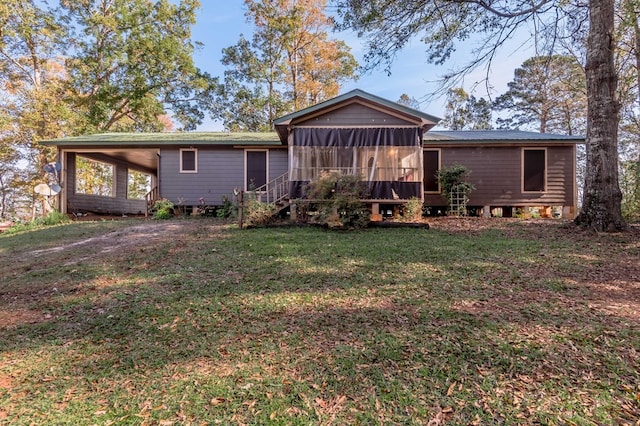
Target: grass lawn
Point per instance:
(197, 322)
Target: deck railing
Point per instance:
(379, 173)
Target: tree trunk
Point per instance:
(601, 203)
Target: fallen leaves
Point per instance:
(217, 401)
(441, 416)
(371, 328)
(328, 409)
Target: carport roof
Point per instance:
(166, 139)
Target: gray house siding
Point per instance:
(355, 115)
(278, 162)
(117, 204)
(496, 172)
(219, 171)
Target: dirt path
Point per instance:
(142, 233)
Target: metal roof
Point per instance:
(271, 139)
(494, 136)
(168, 138)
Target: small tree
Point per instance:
(455, 187)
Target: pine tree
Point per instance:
(465, 112)
(547, 93)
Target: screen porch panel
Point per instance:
(389, 159)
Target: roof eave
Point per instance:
(498, 143)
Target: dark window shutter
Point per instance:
(534, 165)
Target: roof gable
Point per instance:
(354, 114)
(397, 114)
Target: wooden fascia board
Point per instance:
(106, 149)
(260, 146)
(360, 126)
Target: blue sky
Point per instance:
(220, 23)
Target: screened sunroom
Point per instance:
(388, 159)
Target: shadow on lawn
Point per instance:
(472, 270)
(318, 307)
(390, 347)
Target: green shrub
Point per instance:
(163, 209)
(228, 208)
(338, 200)
(163, 214)
(412, 210)
(453, 182)
(54, 218)
(51, 219)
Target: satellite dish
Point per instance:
(43, 189)
(55, 189)
(52, 168)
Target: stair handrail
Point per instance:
(151, 197)
(273, 191)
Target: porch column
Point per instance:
(293, 212)
(568, 212)
(375, 213)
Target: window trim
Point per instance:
(439, 151)
(546, 168)
(195, 151)
(246, 183)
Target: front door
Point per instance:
(256, 169)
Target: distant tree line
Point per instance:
(90, 66)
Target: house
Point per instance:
(391, 146)
(509, 169)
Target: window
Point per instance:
(138, 184)
(189, 160)
(94, 177)
(256, 169)
(534, 165)
(431, 165)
